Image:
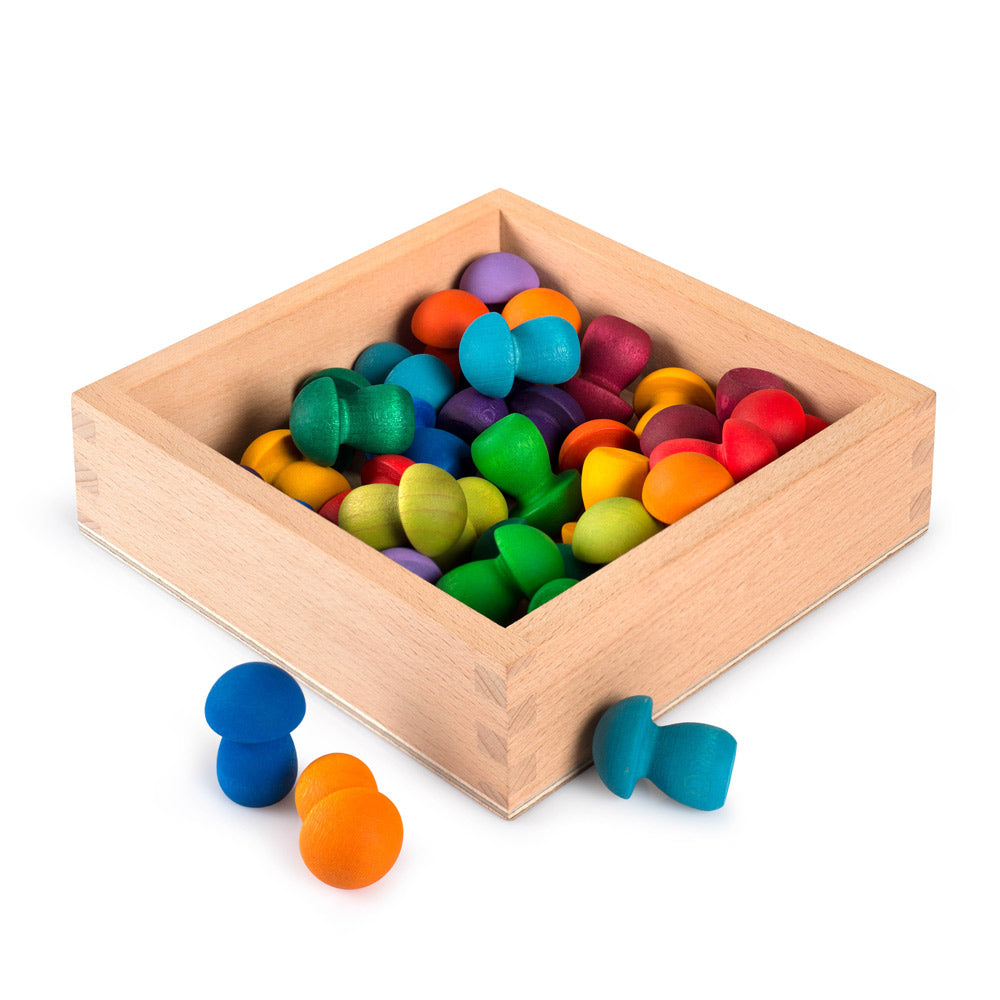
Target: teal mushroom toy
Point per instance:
(378, 419)
(688, 761)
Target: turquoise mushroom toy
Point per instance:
(688, 761)
(424, 377)
(543, 350)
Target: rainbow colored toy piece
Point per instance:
(543, 350)
(254, 707)
(689, 761)
(526, 560)
(351, 833)
(426, 511)
(513, 456)
(376, 418)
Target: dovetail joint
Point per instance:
(83, 426)
(491, 743)
(492, 686)
(920, 506)
(86, 478)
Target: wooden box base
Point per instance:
(506, 714)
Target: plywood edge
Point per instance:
(660, 710)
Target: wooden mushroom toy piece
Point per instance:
(526, 559)
(376, 418)
(544, 350)
(613, 352)
(512, 455)
(426, 511)
(669, 387)
(690, 762)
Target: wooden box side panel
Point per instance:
(333, 623)
(692, 324)
(768, 560)
(237, 380)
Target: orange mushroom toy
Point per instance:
(351, 833)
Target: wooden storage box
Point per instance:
(505, 713)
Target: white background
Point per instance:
(167, 166)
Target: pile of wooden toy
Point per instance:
(508, 457)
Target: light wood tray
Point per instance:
(506, 714)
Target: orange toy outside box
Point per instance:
(506, 714)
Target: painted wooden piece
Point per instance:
(613, 352)
(612, 472)
(378, 359)
(534, 303)
(351, 833)
(512, 455)
(371, 514)
(348, 380)
(776, 412)
(486, 506)
(737, 383)
(544, 349)
(377, 419)
(681, 483)
(669, 387)
(426, 511)
(744, 450)
(254, 707)
(610, 528)
(440, 319)
(485, 547)
(547, 591)
(682, 420)
(310, 483)
(328, 774)
(269, 453)
(814, 425)
(690, 762)
(425, 377)
(434, 446)
(526, 559)
(385, 469)
(497, 277)
(468, 413)
(593, 434)
(416, 562)
(552, 410)
(331, 509)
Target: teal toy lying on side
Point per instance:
(688, 761)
